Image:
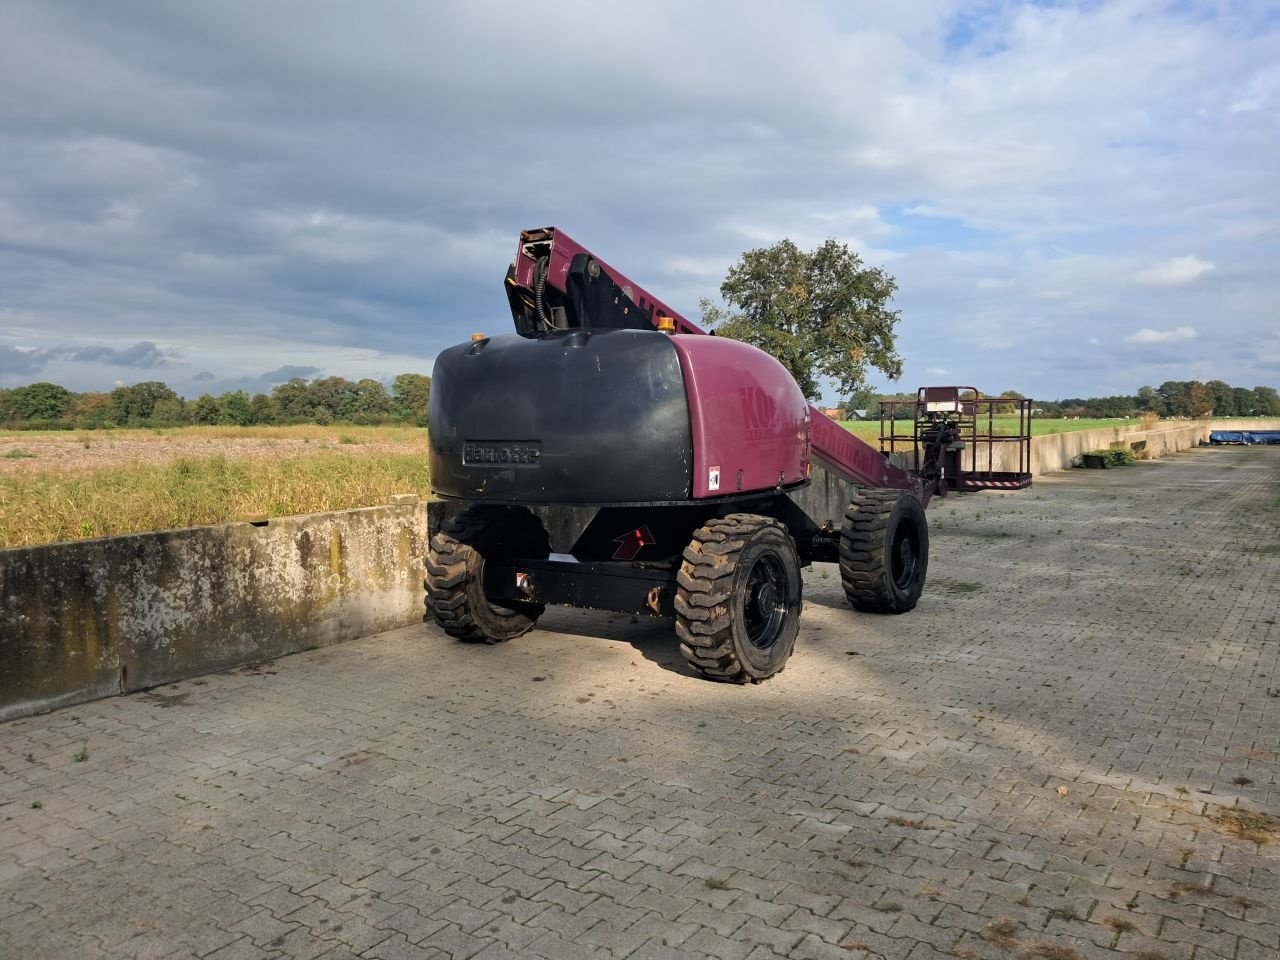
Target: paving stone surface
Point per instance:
(1042, 760)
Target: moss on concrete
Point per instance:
(96, 617)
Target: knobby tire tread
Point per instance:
(704, 595)
(864, 563)
(450, 565)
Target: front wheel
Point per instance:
(884, 551)
(738, 598)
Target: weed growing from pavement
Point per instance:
(906, 822)
(1002, 931)
(1183, 888)
(1249, 825)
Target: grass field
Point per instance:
(74, 485)
(60, 486)
(869, 430)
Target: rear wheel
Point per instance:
(884, 551)
(455, 572)
(738, 598)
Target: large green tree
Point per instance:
(1148, 399)
(169, 413)
(822, 313)
(205, 409)
(264, 408)
(1116, 406)
(40, 401)
(1266, 401)
(1199, 399)
(1174, 398)
(91, 411)
(865, 399)
(411, 398)
(370, 402)
(294, 400)
(1224, 399)
(133, 405)
(235, 409)
(1009, 407)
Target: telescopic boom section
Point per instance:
(548, 257)
(553, 284)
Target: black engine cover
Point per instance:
(578, 416)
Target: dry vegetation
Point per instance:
(65, 487)
(74, 485)
(1252, 825)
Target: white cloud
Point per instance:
(1258, 92)
(1174, 272)
(937, 371)
(1176, 335)
(710, 269)
(252, 187)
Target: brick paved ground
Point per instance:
(1049, 738)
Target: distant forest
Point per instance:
(1173, 398)
(48, 406)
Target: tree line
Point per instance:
(1173, 398)
(49, 406)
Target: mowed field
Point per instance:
(75, 485)
(869, 430)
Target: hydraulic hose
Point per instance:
(539, 286)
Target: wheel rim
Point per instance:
(496, 609)
(904, 557)
(503, 545)
(765, 602)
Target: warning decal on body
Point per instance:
(713, 478)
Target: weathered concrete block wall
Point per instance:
(89, 619)
(1057, 451)
(1053, 452)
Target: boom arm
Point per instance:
(556, 283)
(550, 267)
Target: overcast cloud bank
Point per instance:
(1075, 198)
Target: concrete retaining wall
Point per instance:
(94, 618)
(1057, 451)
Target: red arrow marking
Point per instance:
(629, 544)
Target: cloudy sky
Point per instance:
(1076, 198)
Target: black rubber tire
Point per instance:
(884, 551)
(455, 572)
(738, 598)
